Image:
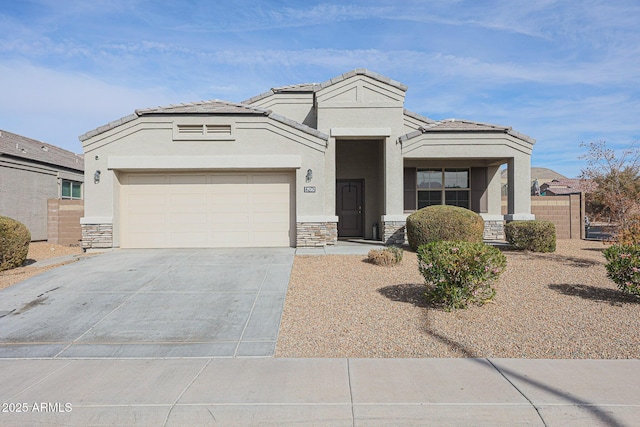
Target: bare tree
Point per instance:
(614, 180)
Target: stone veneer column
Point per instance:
(393, 232)
(313, 234)
(494, 230)
(97, 236)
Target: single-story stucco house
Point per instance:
(300, 165)
(31, 172)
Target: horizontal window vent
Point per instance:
(203, 132)
(218, 129)
(191, 129)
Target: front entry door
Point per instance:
(349, 207)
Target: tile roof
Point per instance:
(315, 87)
(214, 106)
(418, 116)
(568, 186)
(15, 145)
(457, 125)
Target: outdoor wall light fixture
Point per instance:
(96, 177)
(309, 175)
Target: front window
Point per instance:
(443, 186)
(71, 190)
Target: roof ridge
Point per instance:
(153, 110)
(315, 87)
(13, 144)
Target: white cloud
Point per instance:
(57, 107)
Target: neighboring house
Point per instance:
(564, 186)
(30, 173)
(300, 165)
(538, 175)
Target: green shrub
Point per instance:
(460, 273)
(623, 267)
(536, 236)
(443, 222)
(387, 256)
(14, 243)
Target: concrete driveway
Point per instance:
(150, 303)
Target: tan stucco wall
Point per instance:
(295, 106)
(148, 141)
(363, 108)
(473, 149)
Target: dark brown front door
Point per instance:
(349, 207)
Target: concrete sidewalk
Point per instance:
(332, 392)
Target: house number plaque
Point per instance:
(309, 189)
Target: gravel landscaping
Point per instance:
(38, 251)
(558, 305)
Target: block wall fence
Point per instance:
(63, 221)
(565, 211)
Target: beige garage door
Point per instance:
(181, 210)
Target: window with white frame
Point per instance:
(440, 186)
(71, 190)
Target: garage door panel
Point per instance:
(266, 238)
(188, 240)
(187, 221)
(138, 220)
(230, 218)
(206, 210)
(234, 238)
(145, 179)
(268, 178)
(146, 239)
(222, 199)
(269, 218)
(188, 179)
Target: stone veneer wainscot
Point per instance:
(313, 234)
(97, 236)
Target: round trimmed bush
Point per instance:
(442, 222)
(460, 273)
(14, 243)
(535, 235)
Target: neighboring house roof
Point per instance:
(19, 146)
(541, 174)
(214, 106)
(315, 87)
(566, 186)
(457, 125)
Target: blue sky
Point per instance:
(562, 72)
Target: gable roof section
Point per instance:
(418, 117)
(214, 106)
(19, 146)
(315, 87)
(462, 126)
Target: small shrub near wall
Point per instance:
(14, 243)
(460, 273)
(535, 236)
(443, 222)
(386, 257)
(623, 267)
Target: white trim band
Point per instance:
(204, 162)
